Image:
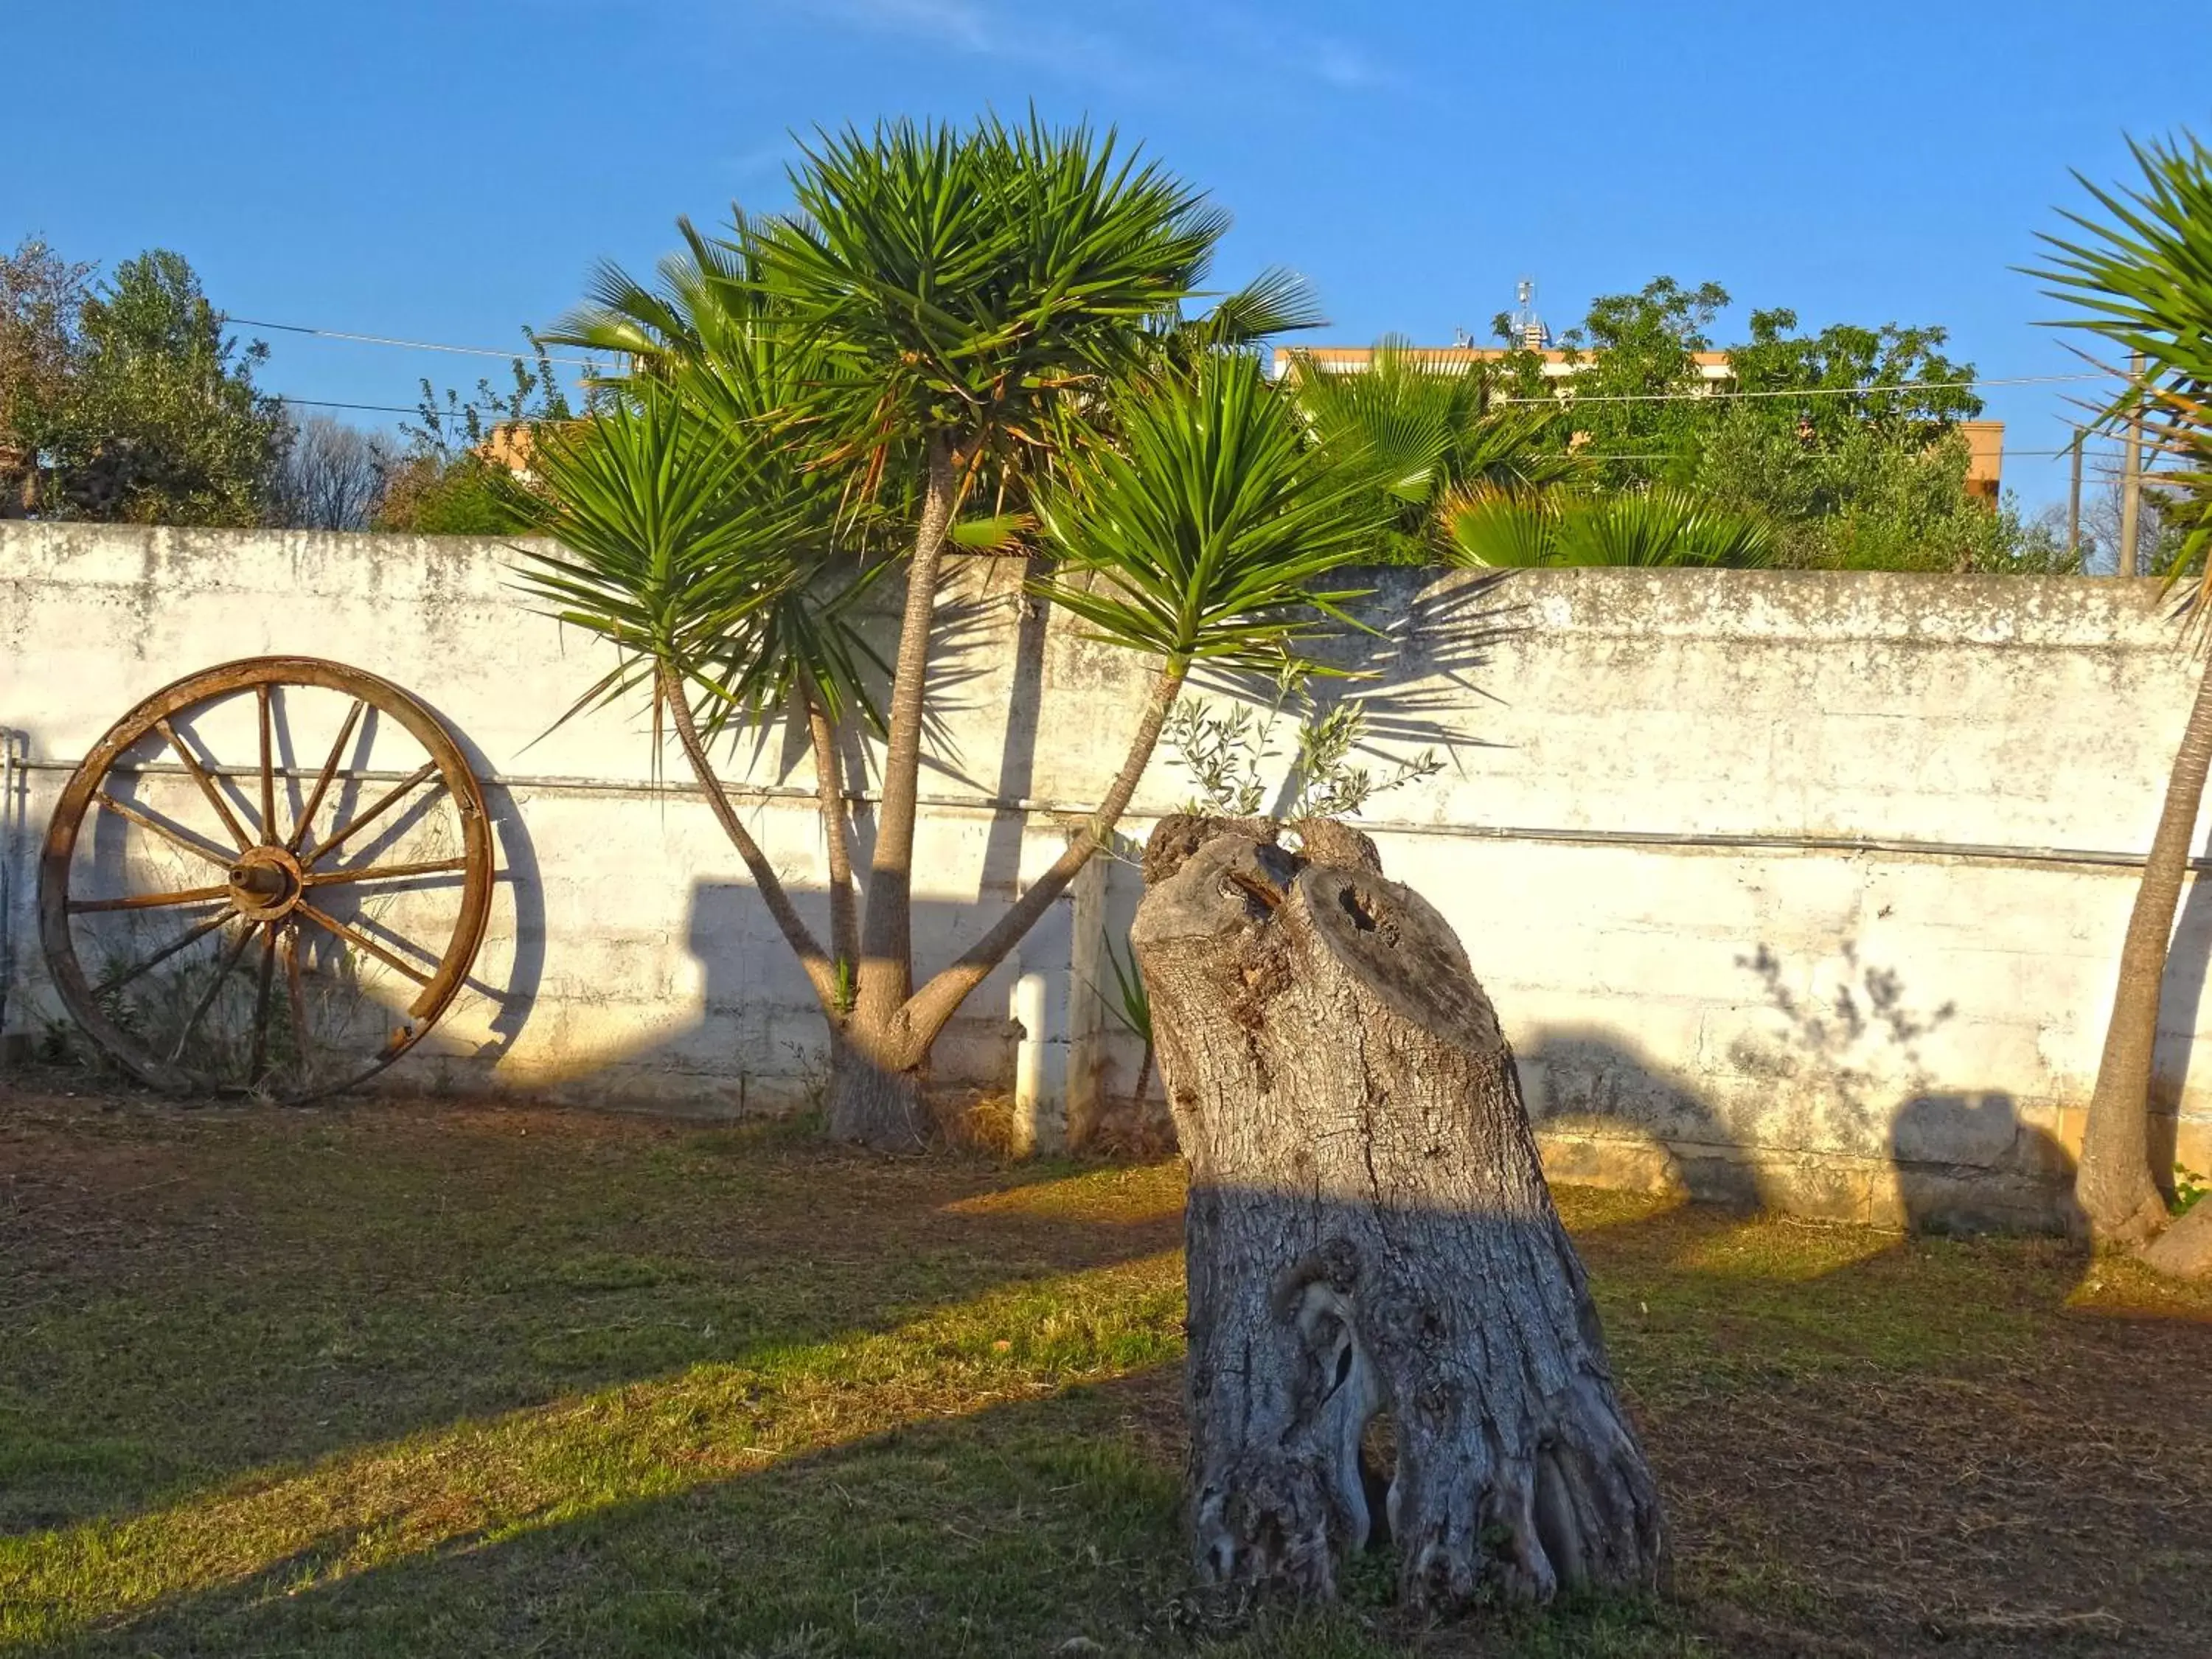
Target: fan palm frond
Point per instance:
(1508, 529)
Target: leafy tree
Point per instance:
(1842, 440)
(1861, 364)
(446, 480)
(1873, 494)
(42, 296)
(2139, 276)
(1634, 355)
(141, 408)
(988, 315)
(465, 495)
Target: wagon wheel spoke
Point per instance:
(323, 783)
(148, 900)
(206, 783)
(382, 872)
(296, 995)
(230, 956)
(384, 803)
(253, 1067)
(268, 768)
(361, 941)
(190, 843)
(115, 982)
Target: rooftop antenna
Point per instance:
(1528, 330)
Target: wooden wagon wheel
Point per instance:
(346, 840)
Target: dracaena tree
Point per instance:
(946, 315)
(2137, 273)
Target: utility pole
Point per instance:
(2074, 506)
(2130, 564)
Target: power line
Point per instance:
(412, 345)
(325, 402)
(1569, 400)
(1569, 397)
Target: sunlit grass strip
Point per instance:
(481, 1482)
(1126, 1195)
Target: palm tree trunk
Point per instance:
(931, 1007)
(2120, 1202)
(875, 1090)
(830, 795)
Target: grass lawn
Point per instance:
(407, 1377)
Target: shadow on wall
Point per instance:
(512, 992)
(1829, 1112)
(742, 1033)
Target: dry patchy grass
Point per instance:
(403, 1378)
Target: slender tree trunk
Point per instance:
(2120, 1202)
(875, 1089)
(876, 1080)
(830, 795)
(820, 974)
(1369, 1231)
(931, 1006)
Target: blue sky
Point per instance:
(448, 169)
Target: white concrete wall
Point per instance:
(1768, 873)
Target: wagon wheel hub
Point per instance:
(266, 884)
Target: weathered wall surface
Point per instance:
(1799, 886)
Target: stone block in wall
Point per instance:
(1931, 1197)
(1578, 1157)
(1594, 1077)
(1983, 1131)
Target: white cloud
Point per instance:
(1341, 63)
(995, 28)
(1174, 45)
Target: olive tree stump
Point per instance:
(1369, 1233)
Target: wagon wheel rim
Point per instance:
(270, 887)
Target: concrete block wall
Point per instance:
(1794, 886)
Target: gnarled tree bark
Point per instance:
(1369, 1231)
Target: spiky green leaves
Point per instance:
(1210, 529)
(1424, 430)
(967, 278)
(2141, 279)
(702, 544)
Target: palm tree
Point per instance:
(948, 313)
(1428, 433)
(728, 588)
(2140, 278)
(1507, 528)
(1205, 533)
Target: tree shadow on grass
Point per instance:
(1868, 1446)
(1006, 1532)
(194, 1295)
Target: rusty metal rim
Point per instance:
(262, 674)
